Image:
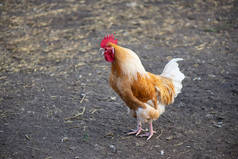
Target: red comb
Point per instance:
(107, 39)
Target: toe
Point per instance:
(138, 132)
(143, 135)
(132, 132)
(149, 136)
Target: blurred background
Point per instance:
(55, 101)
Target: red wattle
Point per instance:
(109, 57)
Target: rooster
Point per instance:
(145, 94)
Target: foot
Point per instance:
(137, 131)
(150, 133)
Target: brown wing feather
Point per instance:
(153, 87)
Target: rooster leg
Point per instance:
(150, 133)
(138, 130)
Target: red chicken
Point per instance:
(145, 94)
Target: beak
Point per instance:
(101, 51)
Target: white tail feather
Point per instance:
(171, 70)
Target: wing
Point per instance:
(123, 89)
(144, 89)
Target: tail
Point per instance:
(171, 70)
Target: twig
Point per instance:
(74, 127)
(27, 137)
(168, 119)
(160, 134)
(76, 115)
(81, 101)
(92, 111)
(180, 143)
(34, 148)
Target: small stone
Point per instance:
(219, 124)
(169, 138)
(162, 152)
(211, 75)
(132, 4)
(113, 98)
(64, 139)
(197, 79)
(73, 148)
(113, 148)
(82, 95)
(30, 112)
(209, 116)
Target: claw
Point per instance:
(150, 133)
(137, 131)
(149, 136)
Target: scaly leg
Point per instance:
(138, 130)
(150, 133)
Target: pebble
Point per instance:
(197, 79)
(132, 4)
(113, 98)
(218, 124)
(73, 148)
(169, 138)
(64, 139)
(209, 116)
(162, 152)
(113, 148)
(211, 75)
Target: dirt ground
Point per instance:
(55, 101)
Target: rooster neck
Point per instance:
(127, 64)
(116, 69)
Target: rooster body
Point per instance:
(145, 94)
